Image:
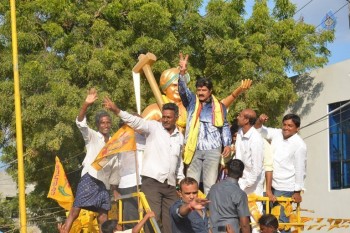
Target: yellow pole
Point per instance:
(19, 142)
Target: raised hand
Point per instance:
(91, 97)
(263, 118)
(108, 104)
(245, 84)
(183, 63)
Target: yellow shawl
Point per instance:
(218, 121)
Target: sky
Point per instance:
(313, 12)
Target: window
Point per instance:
(339, 144)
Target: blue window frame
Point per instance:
(339, 145)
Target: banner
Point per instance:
(123, 140)
(60, 189)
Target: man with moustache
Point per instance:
(162, 163)
(207, 129)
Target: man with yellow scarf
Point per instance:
(207, 129)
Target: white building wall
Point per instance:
(324, 86)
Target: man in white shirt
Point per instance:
(162, 163)
(289, 160)
(92, 193)
(250, 150)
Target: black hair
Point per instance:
(235, 168)
(295, 118)
(269, 220)
(234, 127)
(204, 82)
(171, 106)
(188, 181)
(109, 226)
(99, 115)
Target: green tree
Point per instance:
(9, 209)
(264, 48)
(67, 47)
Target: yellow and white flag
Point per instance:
(123, 140)
(60, 189)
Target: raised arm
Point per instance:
(139, 226)
(260, 121)
(90, 99)
(186, 95)
(133, 121)
(245, 85)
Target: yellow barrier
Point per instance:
(143, 207)
(87, 223)
(296, 223)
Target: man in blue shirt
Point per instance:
(188, 215)
(208, 134)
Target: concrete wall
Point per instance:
(8, 188)
(324, 86)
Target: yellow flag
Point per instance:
(123, 140)
(253, 208)
(201, 195)
(60, 189)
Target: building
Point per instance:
(8, 190)
(324, 108)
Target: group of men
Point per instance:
(207, 139)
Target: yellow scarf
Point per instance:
(218, 121)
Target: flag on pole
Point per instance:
(123, 140)
(60, 189)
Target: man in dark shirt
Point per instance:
(229, 203)
(188, 215)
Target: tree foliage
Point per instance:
(67, 47)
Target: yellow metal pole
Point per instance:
(19, 142)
